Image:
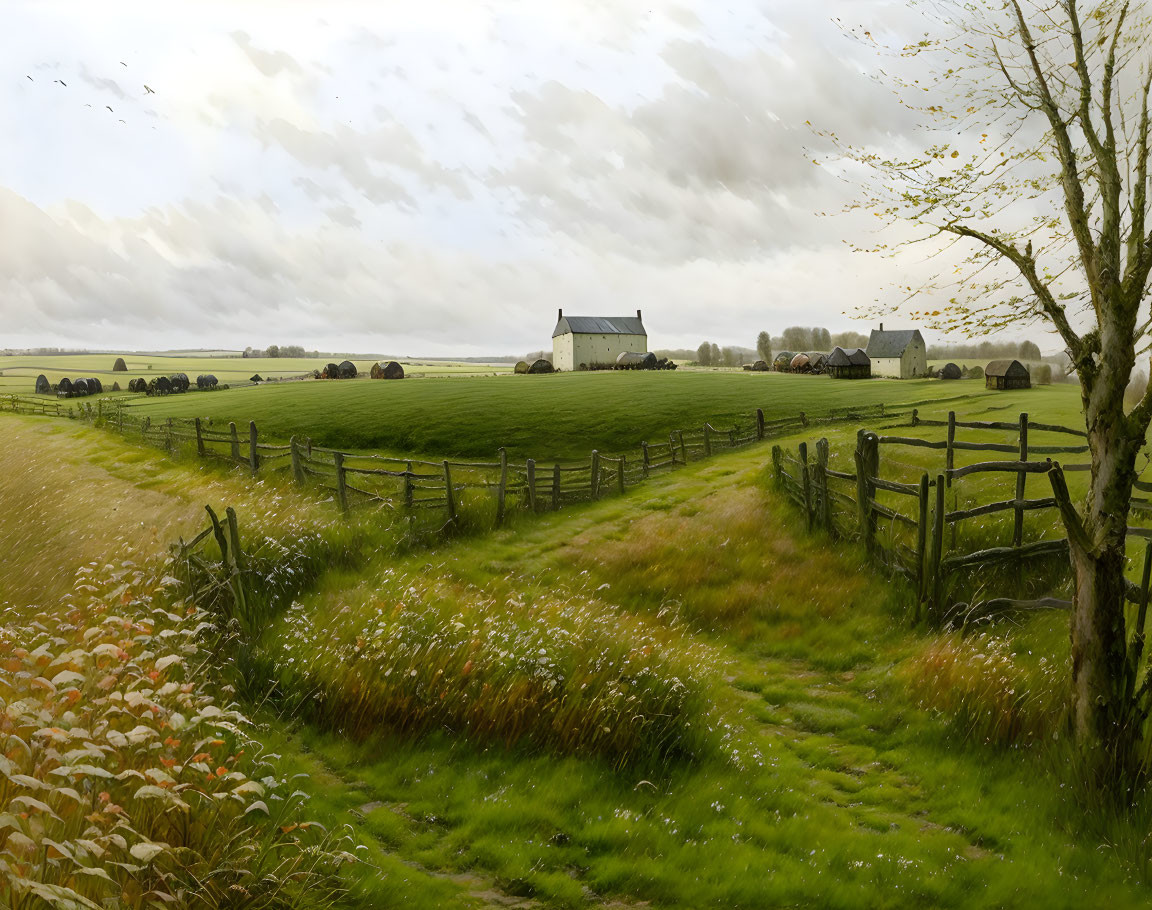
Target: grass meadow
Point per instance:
(675, 697)
(552, 416)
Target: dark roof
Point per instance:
(599, 325)
(854, 357)
(1006, 368)
(891, 344)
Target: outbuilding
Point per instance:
(898, 354)
(1007, 374)
(849, 364)
(596, 341)
(783, 361)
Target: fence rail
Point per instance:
(921, 542)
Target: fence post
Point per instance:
(341, 481)
(707, 442)
(145, 426)
(921, 545)
(449, 493)
(620, 473)
(683, 448)
(950, 462)
(168, 444)
(1021, 485)
(934, 580)
(647, 460)
(409, 486)
(297, 463)
(556, 487)
(777, 465)
(530, 465)
(200, 442)
(595, 474)
(803, 419)
(867, 465)
(759, 423)
(915, 416)
(235, 441)
(822, 484)
(502, 489)
(806, 484)
(253, 449)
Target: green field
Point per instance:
(839, 758)
(561, 416)
(18, 374)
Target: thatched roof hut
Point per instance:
(180, 382)
(817, 361)
(64, 386)
(206, 382)
(541, 366)
(783, 361)
(521, 367)
(853, 364)
(761, 366)
(950, 371)
(115, 387)
(43, 386)
(119, 366)
(347, 370)
(95, 386)
(800, 364)
(137, 385)
(80, 386)
(1007, 374)
(331, 371)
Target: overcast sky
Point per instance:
(434, 177)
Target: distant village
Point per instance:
(584, 343)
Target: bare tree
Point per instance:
(1037, 181)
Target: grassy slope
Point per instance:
(853, 798)
(558, 416)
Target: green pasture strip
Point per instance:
(562, 416)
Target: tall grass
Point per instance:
(123, 784)
(982, 689)
(564, 673)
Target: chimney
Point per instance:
(881, 327)
(559, 314)
(637, 314)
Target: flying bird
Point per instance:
(62, 82)
(149, 91)
(29, 78)
(122, 63)
(109, 108)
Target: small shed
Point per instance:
(255, 377)
(347, 369)
(119, 366)
(817, 361)
(760, 366)
(64, 387)
(783, 361)
(541, 366)
(951, 371)
(1007, 374)
(43, 386)
(849, 364)
(800, 364)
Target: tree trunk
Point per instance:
(1101, 708)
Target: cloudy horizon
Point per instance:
(432, 179)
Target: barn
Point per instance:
(898, 354)
(595, 341)
(1007, 374)
(851, 364)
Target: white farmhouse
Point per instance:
(595, 341)
(899, 354)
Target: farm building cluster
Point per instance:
(599, 343)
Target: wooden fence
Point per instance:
(443, 488)
(919, 540)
